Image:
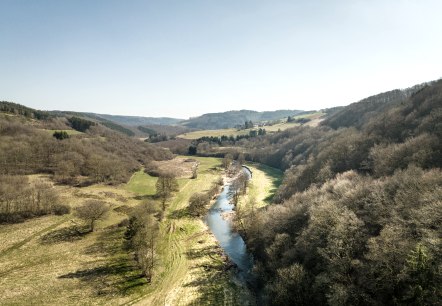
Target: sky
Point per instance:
(184, 58)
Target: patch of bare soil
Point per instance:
(180, 167)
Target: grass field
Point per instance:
(262, 187)
(43, 261)
(283, 125)
(141, 184)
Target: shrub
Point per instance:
(60, 135)
(61, 209)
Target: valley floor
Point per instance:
(45, 261)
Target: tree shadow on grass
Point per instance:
(212, 290)
(108, 242)
(65, 234)
(144, 197)
(213, 280)
(198, 253)
(179, 213)
(269, 198)
(114, 277)
(116, 272)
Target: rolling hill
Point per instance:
(231, 119)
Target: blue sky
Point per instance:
(185, 58)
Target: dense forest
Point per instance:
(357, 219)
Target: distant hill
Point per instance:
(18, 109)
(230, 119)
(140, 121)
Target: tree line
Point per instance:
(21, 198)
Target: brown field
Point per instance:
(180, 166)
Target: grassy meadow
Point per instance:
(264, 183)
(44, 261)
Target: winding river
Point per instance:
(231, 242)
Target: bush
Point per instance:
(152, 170)
(61, 209)
(60, 135)
(197, 203)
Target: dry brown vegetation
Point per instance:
(357, 217)
(181, 167)
(53, 260)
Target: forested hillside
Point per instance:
(96, 151)
(357, 219)
(138, 120)
(230, 119)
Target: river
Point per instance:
(231, 242)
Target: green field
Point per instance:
(283, 125)
(141, 184)
(264, 183)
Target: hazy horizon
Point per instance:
(183, 59)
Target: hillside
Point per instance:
(82, 150)
(357, 218)
(231, 119)
(138, 120)
(357, 113)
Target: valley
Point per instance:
(95, 267)
(90, 213)
(220, 153)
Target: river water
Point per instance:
(231, 242)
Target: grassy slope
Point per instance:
(265, 181)
(43, 262)
(141, 184)
(234, 132)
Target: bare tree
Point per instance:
(195, 171)
(91, 211)
(197, 203)
(166, 185)
(238, 187)
(227, 160)
(142, 236)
